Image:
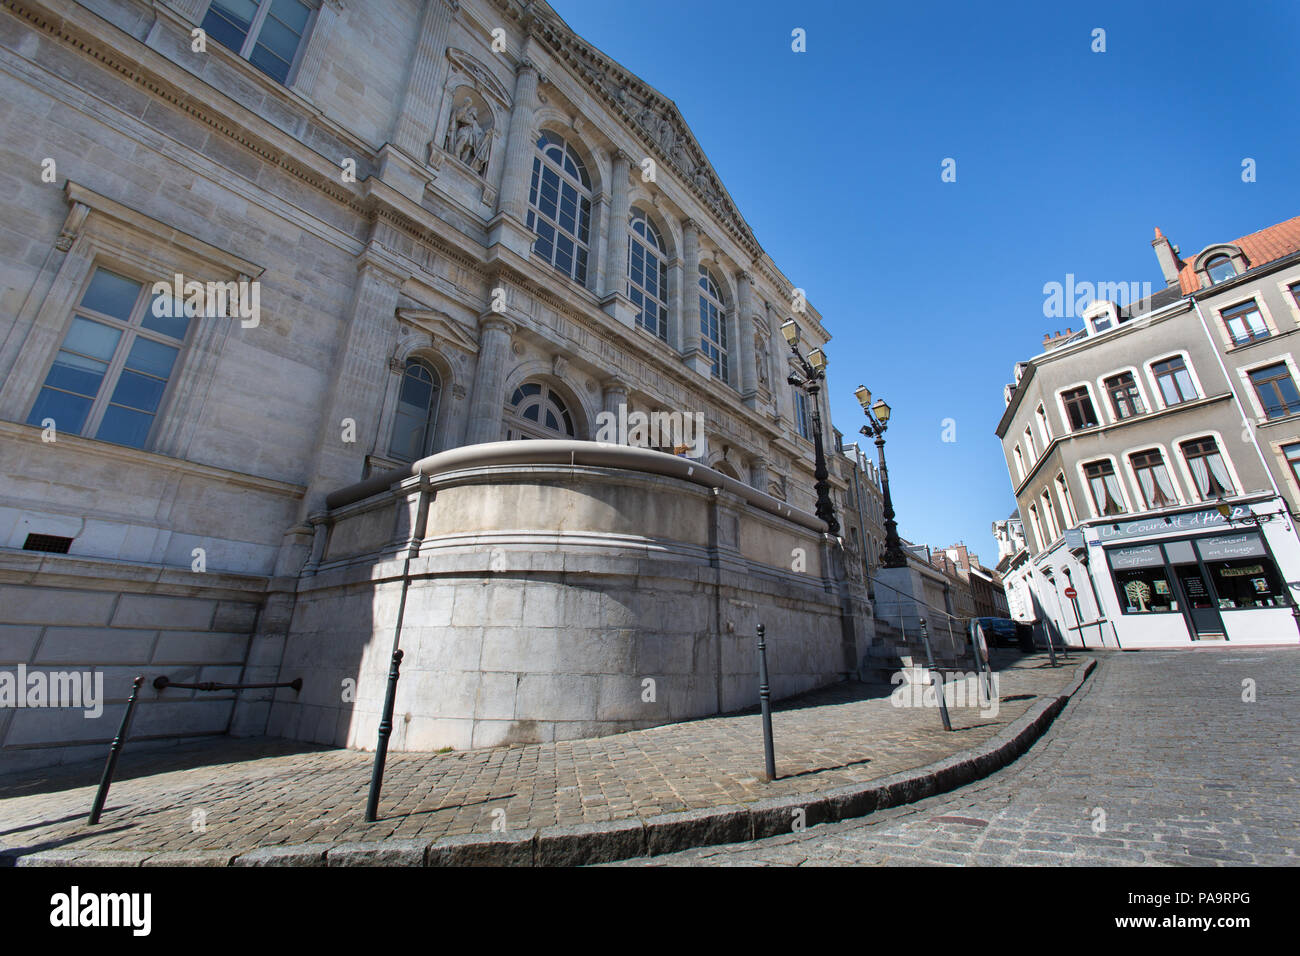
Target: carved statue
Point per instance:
(467, 140)
(760, 358)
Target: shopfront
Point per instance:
(1199, 576)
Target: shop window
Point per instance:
(1246, 583)
(1145, 590)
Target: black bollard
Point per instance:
(934, 675)
(765, 704)
(114, 749)
(381, 749)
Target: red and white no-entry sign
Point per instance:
(1071, 593)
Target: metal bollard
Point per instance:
(114, 749)
(929, 657)
(765, 704)
(381, 748)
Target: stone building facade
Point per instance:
(461, 224)
(1153, 455)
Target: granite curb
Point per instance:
(589, 843)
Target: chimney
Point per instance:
(1167, 256)
(1053, 341)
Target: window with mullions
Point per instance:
(267, 33)
(417, 410)
(1153, 478)
(1219, 269)
(647, 276)
(1104, 485)
(111, 372)
(1292, 453)
(1276, 390)
(1078, 408)
(1245, 324)
(713, 325)
(1175, 380)
(1207, 467)
(1246, 582)
(560, 207)
(536, 411)
(1125, 399)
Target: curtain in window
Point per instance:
(1200, 472)
(1164, 485)
(1219, 469)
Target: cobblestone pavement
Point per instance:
(242, 794)
(1156, 761)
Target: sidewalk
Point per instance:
(840, 752)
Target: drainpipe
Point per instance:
(862, 521)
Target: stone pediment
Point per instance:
(441, 326)
(487, 84)
(643, 109)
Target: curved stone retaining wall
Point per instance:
(555, 590)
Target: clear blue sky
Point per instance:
(1066, 161)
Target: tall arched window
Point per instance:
(713, 325)
(560, 206)
(536, 411)
(647, 275)
(417, 411)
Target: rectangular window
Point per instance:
(1104, 485)
(1276, 390)
(1207, 467)
(1078, 408)
(1292, 453)
(267, 33)
(110, 374)
(1125, 399)
(1067, 506)
(1245, 324)
(1295, 293)
(1145, 590)
(1153, 478)
(1020, 462)
(1029, 446)
(1174, 380)
(1043, 427)
(802, 417)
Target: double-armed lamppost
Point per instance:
(877, 422)
(814, 373)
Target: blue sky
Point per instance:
(1066, 160)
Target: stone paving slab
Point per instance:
(275, 802)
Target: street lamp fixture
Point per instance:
(814, 373)
(877, 422)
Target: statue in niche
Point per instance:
(469, 140)
(761, 358)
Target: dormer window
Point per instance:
(1219, 269)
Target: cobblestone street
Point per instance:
(1156, 761)
(233, 795)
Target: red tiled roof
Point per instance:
(1259, 248)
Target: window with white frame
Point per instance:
(267, 33)
(1043, 426)
(1039, 537)
(1067, 505)
(647, 275)
(1020, 462)
(1209, 470)
(1220, 268)
(1103, 483)
(1153, 478)
(1174, 380)
(110, 375)
(803, 416)
(1078, 408)
(559, 200)
(1029, 445)
(1049, 515)
(713, 325)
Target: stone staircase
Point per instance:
(893, 651)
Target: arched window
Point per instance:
(713, 325)
(1220, 268)
(417, 412)
(536, 411)
(560, 206)
(647, 275)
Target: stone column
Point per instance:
(358, 388)
(411, 129)
(619, 211)
(758, 474)
(777, 351)
(690, 324)
(317, 42)
(489, 380)
(613, 394)
(745, 329)
(518, 167)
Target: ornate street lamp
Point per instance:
(814, 373)
(877, 422)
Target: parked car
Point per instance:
(999, 631)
